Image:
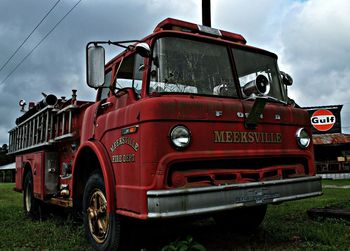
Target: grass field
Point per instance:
(286, 227)
(19, 233)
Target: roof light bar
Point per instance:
(175, 24)
(209, 30)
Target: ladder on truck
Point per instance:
(46, 127)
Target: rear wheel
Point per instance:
(243, 219)
(30, 203)
(102, 228)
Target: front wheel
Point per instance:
(102, 228)
(243, 219)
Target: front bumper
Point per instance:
(192, 201)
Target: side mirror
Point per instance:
(286, 79)
(95, 65)
(143, 50)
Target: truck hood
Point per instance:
(197, 108)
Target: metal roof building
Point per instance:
(331, 139)
(8, 172)
(332, 152)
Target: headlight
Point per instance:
(180, 136)
(303, 138)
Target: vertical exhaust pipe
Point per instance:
(206, 19)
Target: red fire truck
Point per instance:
(187, 121)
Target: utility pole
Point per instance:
(206, 17)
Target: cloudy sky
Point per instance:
(311, 38)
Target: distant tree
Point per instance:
(4, 158)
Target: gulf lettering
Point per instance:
(323, 120)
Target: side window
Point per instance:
(105, 88)
(139, 68)
(130, 73)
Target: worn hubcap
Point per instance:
(97, 216)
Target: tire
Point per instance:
(31, 205)
(102, 229)
(245, 220)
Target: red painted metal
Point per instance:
(106, 167)
(222, 150)
(179, 25)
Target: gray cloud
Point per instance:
(58, 65)
(316, 47)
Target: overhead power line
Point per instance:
(30, 34)
(37, 45)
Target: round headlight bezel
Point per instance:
(177, 134)
(303, 138)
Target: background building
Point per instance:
(8, 172)
(332, 147)
(7, 166)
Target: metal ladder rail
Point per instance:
(34, 132)
(51, 135)
(11, 140)
(24, 139)
(64, 125)
(20, 137)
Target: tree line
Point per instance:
(4, 158)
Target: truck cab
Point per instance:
(187, 121)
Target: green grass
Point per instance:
(19, 233)
(286, 227)
(336, 182)
(289, 224)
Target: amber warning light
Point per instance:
(130, 130)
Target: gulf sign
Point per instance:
(323, 120)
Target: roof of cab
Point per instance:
(175, 24)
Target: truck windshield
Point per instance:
(187, 66)
(251, 64)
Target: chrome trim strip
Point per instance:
(69, 107)
(297, 197)
(192, 201)
(68, 135)
(227, 187)
(31, 147)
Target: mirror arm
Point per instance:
(116, 43)
(114, 79)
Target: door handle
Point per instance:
(105, 105)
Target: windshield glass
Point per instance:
(186, 66)
(251, 64)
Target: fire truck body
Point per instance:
(197, 123)
(45, 143)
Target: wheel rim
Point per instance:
(28, 198)
(97, 216)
